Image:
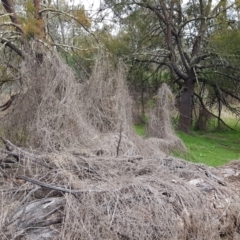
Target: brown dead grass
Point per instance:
(159, 125)
(123, 198)
(81, 139)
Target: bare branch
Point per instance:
(12, 46)
(120, 138)
(57, 188)
(203, 105)
(68, 15)
(18, 28)
(25, 154)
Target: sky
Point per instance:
(90, 4)
(92, 7)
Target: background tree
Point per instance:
(186, 50)
(131, 43)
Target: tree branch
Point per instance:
(68, 15)
(12, 46)
(203, 105)
(8, 6)
(57, 188)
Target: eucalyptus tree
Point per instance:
(186, 47)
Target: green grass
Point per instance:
(140, 129)
(211, 148)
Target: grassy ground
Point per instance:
(212, 148)
(140, 129)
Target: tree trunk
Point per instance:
(186, 106)
(8, 5)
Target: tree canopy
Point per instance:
(186, 39)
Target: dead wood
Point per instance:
(120, 138)
(56, 188)
(31, 216)
(18, 153)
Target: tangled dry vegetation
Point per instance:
(159, 125)
(73, 168)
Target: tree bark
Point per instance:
(38, 16)
(186, 106)
(8, 5)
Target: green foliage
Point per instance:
(116, 44)
(30, 24)
(30, 9)
(226, 42)
(80, 61)
(31, 28)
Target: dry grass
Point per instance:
(121, 198)
(81, 139)
(105, 96)
(55, 112)
(48, 114)
(159, 124)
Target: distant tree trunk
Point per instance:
(203, 119)
(186, 106)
